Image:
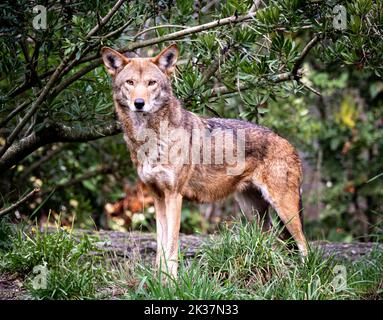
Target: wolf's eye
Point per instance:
(152, 82)
(130, 82)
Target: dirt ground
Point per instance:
(11, 287)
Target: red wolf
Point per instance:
(156, 127)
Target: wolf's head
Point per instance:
(141, 84)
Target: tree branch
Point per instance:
(212, 69)
(56, 75)
(13, 113)
(105, 19)
(27, 85)
(55, 132)
(295, 74)
(276, 78)
(117, 31)
(74, 77)
(303, 55)
(49, 155)
(308, 87)
(18, 203)
(182, 33)
(158, 27)
(35, 106)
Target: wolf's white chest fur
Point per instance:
(153, 167)
(158, 174)
(151, 154)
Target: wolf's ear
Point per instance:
(113, 60)
(167, 59)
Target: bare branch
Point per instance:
(105, 19)
(303, 54)
(55, 132)
(182, 33)
(13, 113)
(215, 65)
(158, 27)
(255, 5)
(118, 30)
(18, 203)
(68, 81)
(277, 78)
(49, 155)
(305, 85)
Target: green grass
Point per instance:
(193, 283)
(243, 253)
(73, 272)
(7, 231)
(367, 278)
(240, 262)
(244, 263)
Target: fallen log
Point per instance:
(129, 244)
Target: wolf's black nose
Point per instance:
(139, 103)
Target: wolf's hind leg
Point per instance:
(286, 202)
(253, 205)
(289, 213)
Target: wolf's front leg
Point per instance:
(173, 203)
(162, 232)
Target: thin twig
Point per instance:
(182, 33)
(158, 27)
(308, 87)
(51, 153)
(117, 31)
(212, 69)
(103, 21)
(19, 202)
(303, 55)
(13, 113)
(69, 80)
(276, 78)
(255, 5)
